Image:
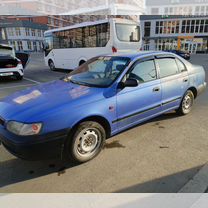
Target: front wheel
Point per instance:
(186, 103)
(86, 143)
(51, 65)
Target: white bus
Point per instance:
(69, 47)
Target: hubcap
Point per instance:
(52, 65)
(87, 142)
(187, 102)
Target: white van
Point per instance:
(69, 47)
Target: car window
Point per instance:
(181, 66)
(99, 71)
(97, 66)
(144, 71)
(167, 67)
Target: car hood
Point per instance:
(45, 98)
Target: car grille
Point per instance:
(2, 121)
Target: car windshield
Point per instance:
(98, 72)
(128, 33)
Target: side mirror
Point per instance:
(130, 82)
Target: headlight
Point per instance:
(24, 129)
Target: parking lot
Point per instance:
(159, 156)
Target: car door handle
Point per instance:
(185, 80)
(156, 89)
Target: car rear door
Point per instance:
(174, 81)
(135, 104)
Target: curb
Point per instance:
(198, 184)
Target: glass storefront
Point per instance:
(165, 44)
(194, 45)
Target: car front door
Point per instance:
(135, 104)
(174, 81)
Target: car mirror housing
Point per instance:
(130, 82)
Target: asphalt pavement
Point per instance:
(161, 155)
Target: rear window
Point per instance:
(128, 32)
(167, 67)
(6, 52)
(181, 66)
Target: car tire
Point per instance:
(186, 103)
(51, 65)
(19, 77)
(82, 62)
(86, 142)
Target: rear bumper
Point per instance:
(12, 71)
(201, 88)
(37, 147)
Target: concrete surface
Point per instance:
(161, 155)
(103, 200)
(199, 183)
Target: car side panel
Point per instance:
(173, 89)
(67, 118)
(135, 104)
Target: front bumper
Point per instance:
(36, 147)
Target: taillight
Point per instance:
(9, 66)
(114, 49)
(19, 62)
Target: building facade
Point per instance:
(24, 35)
(177, 7)
(77, 7)
(188, 33)
(3, 37)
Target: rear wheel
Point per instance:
(81, 62)
(19, 77)
(186, 103)
(86, 142)
(51, 65)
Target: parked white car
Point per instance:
(12, 64)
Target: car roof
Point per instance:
(4, 46)
(141, 54)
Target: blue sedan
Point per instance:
(73, 116)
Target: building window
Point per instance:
(147, 29)
(193, 26)
(19, 45)
(10, 31)
(17, 31)
(167, 27)
(29, 45)
(155, 11)
(33, 32)
(27, 31)
(35, 46)
(166, 44)
(206, 26)
(12, 44)
(146, 45)
(39, 33)
(166, 10)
